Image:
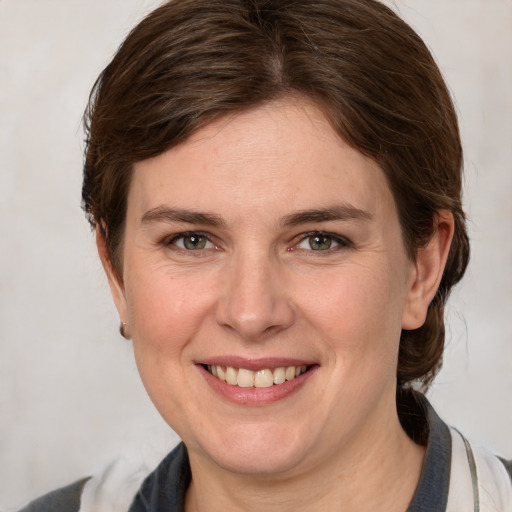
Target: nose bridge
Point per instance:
(254, 301)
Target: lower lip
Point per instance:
(257, 396)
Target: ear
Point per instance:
(427, 271)
(115, 282)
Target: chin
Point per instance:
(255, 449)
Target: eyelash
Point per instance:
(189, 234)
(340, 241)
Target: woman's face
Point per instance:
(266, 246)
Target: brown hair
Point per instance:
(191, 61)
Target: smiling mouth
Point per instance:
(264, 378)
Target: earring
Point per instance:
(123, 330)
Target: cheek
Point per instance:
(166, 310)
(359, 311)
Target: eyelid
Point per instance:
(340, 240)
(170, 240)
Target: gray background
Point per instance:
(70, 397)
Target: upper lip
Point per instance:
(252, 363)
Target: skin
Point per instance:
(257, 289)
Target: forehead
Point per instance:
(277, 157)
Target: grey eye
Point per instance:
(192, 242)
(318, 242)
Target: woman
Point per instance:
(275, 189)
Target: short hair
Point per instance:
(190, 62)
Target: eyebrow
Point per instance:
(337, 212)
(166, 214)
(332, 213)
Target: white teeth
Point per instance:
(279, 375)
(299, 370)
(263, 378)
(231, 376)
(245, 378)
(290, 373)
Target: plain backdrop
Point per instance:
(70, 397)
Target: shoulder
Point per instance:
(479, 473)
(66, 499)
(112, 489)
(508, 466)
(165, 488)
(456, 475)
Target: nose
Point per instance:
(254, 301)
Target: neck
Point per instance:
(379, 471)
